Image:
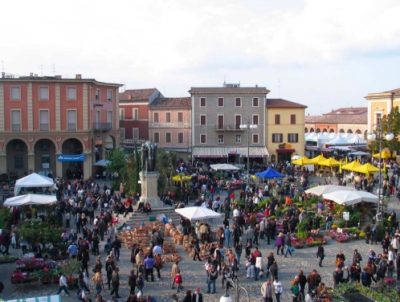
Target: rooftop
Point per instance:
(281, 103)
(137, 95)
(337, 119)
(229, 90)
(349, 111)
(396, 91)
(183, 102)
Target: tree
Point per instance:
(390, 124)
(117, 163)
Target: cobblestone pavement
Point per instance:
(193, 272)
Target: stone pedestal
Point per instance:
(149, 189)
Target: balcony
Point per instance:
(16, 127)
(228, 128)
(103, 127)
(44, 127)
(71, 126)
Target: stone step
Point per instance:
(135, 218)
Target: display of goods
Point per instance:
(30, 263)
(20, 277)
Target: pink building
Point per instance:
(52, 125)
(170, 124)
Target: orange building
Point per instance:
(52, 125)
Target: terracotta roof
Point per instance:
(228, 90)
(337, 119)
(396, 91)
(135, 95)
(348, 111)
(281, 103)
(183, 102)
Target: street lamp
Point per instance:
(248, 126)
(371, 137)
(240, 292)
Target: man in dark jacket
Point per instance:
(288, 244)
(132, 281)
(337, 276)
(197, 296)
(115, 282)
(274, 271)
(117, 246)
(101, 228)
(302, 281)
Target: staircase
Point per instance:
(135, 218)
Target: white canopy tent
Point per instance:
(223, 167)
(30, 199)
(320, 190)
(197, 213)
(33, 180)
(101, 163)
(339, 140)
(350, 197)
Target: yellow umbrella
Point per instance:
(351, 166)
(366, 169)
(316, 160)
(179, 178)
(330, 162)
(302, 161)
(385, 154)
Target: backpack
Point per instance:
(214, 274)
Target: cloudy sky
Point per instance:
(322, 53)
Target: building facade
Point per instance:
(134, 115)
(52, 125)
(170, 124)
(284, 129)
(380, 104)
(343, 120)
(217, 116)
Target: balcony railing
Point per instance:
(44, 127)
(102, 127)
(16, 127)
(227, 127)
(71, 126)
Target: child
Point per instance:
(179, 282)
(390, 269)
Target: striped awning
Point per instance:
(220, 152)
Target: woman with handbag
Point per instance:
(320, 254)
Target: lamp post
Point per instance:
(372, 137)
(248, 126)
(241, 293)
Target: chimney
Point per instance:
(256, 86)
(36, 75)
(58, 77)
(129, 97)
(78, 76)
(31, 74)
(3, 74)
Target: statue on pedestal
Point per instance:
(149, 156)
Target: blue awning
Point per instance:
(66, 158)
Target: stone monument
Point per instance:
(149, 175)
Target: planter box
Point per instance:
(357, 297)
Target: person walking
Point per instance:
(158, 265)
(109, 270)
(148, 264)
(132, 281)
(228, 235)
(266, 291)
(238, 251)
(258, 266)
(63, 285)
(116, 244)
(140, 283)
(98, 281)
(270, 261)
(196, 249)
(278, 289)
(279, 244)
(212, 279)
(179, 282)
(274, 271)
(174, 270)
(288, 245)
(320, 254)
(115, 282)
(197, 296)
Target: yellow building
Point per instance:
(284, 129)
(380, 104)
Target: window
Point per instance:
(255, 102)
(156, 117)
(109, 117)
(44, 120)
(220, 139)
(277, 137)
(44, 93)
(97, 117)
(277, 119)
(203, 102)
(168, 137)
(45, 161)
(238, 121)
(135, 114)
(220, 102)
(135, 133)
(18, 161)
(220, 122)
(293, 119)
(255, 138)
(15, 120)
(238, 102)
(168, 117)
(97, 94)
(156, 137)
(203, 138)
(203, 120)
(71, 93)
(255, 119)
(122, 132)
(180, 117)
(180, 138)
(71, 116)
(15, 93)
(238, 139)
(109, 95)
(378, 118)
(121, 114)
(293, 137)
